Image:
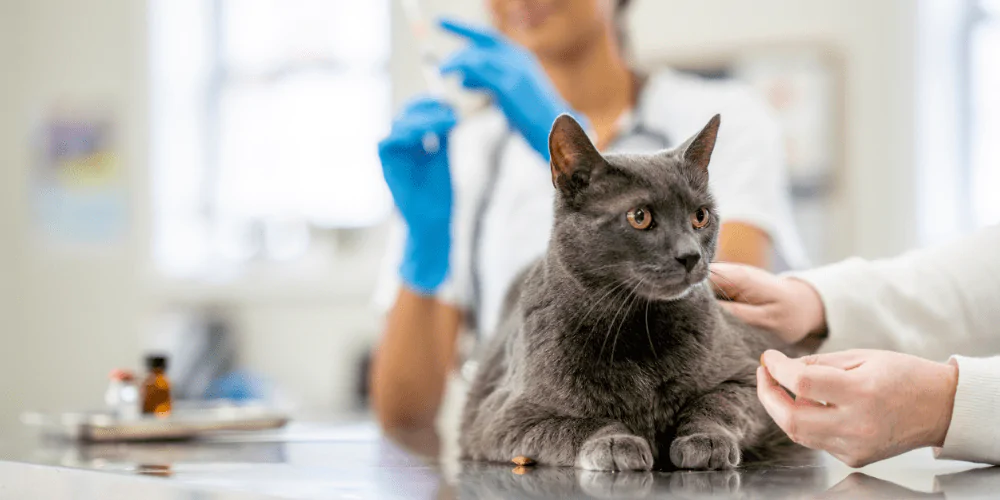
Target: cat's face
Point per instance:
(641, 223)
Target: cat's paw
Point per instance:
(615, 452)
(705, 451)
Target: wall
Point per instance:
(7, 264)
(77, 312)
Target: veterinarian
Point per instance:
(884, 396)
(475, 198)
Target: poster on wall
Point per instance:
(79, 195)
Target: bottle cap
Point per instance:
(156, 362)
(122, 375)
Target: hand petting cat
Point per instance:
(789, 307)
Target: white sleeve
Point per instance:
(930, 303)
(974, 433)
(748, 173)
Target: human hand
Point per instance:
(415, 165)
(789, 307)
(513, 76)
(861, 406)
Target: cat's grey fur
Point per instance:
(613, 353)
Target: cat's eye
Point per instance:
(640, 218)
(700, 218)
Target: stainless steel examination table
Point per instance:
(352, 459)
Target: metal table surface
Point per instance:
(354, 460)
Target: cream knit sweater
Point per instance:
(932, 303)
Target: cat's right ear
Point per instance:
(697, 150)
(573, 156)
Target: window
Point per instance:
(265, 118)
(957, 117)
(984, 111)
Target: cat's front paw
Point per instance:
(615, 452)
(705, 451)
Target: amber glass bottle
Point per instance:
(156, 387)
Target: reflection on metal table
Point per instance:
(354, 460)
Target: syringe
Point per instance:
(428, 59)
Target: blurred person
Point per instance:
(883, 396)
(475, 198)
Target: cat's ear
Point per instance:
(697, 151)
(573, 156)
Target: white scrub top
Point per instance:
(747, 177)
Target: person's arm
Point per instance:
(930, 303)
(413, 359)
(742, 243)
(416, 351)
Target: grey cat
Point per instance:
(613, 353)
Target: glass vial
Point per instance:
(122, 395)
(156, 387)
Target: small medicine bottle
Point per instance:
(156, 387)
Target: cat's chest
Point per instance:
(650, 396)
(645, 366)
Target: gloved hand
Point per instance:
(415, 164)
(512, 75)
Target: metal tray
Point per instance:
(183, 423)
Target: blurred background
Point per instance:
(200, 176)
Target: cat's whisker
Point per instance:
(743, 297)
(627, 303)
(632, 299)
(721, 290)
(601, 268)
(612, 324)
(649, 337)
(607, 334)
(595, 305)
(609, 289)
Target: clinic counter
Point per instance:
(352, 459)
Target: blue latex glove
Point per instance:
(415, 164)
(514, 78)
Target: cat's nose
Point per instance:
(689, 260)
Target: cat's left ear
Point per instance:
(573, 156)
(697, 151)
